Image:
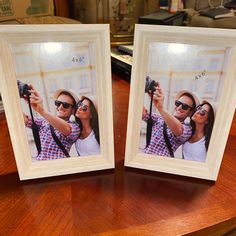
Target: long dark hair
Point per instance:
(208, 127)
(93, 119)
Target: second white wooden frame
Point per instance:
(145, 35)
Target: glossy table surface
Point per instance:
(122, 201)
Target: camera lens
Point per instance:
(150, 85)
(23, 88)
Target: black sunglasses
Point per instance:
(183, 105)
(81, 105)
(201, 111)
(65, 105)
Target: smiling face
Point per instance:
(201, 114)
(183, 107)
(62, 112)
(83, 111)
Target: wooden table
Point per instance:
(122, 201)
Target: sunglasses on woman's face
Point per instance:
(183, 105)
(65, 105)
(201, 111)
(82, 106)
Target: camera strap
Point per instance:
(58, 142)
(149, 124)
(35, 128)
(167, 140)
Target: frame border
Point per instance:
(99, 35)
(146, 34)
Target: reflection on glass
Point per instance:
(54, 79)
(178, 115)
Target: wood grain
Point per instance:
(62, 8)
(123, 201)
(233, 126)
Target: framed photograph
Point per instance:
(56, 91)
(182, 99)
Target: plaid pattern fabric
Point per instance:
(50, 150)
(157, 145)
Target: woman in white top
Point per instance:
(202, 121)
(86, 116)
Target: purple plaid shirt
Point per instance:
(50, 150)
(157, 144)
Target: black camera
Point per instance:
(150, 85)
(24, 89)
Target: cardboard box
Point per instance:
(14, 9)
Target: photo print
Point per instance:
(57, 84)
(182, 90)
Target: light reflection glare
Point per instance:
(51, 47)
(176, 48)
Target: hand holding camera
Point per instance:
(158, 99)
(153, 88)
(24, 89)
(150, 85)
(36, 100)
(30, 94)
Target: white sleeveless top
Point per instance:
(87, 146)
(195, 151)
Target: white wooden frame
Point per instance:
(146, 34)
(99, 36)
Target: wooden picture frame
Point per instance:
(88, 45)
(202, 72)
